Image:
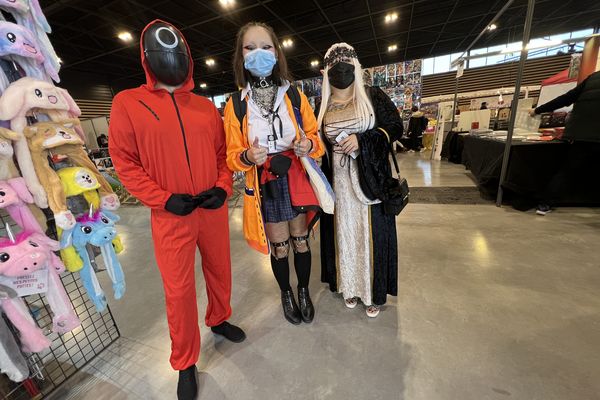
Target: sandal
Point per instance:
(351, 302)
(373, 311)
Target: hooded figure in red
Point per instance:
(168, 148)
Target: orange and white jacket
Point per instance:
(237, 142)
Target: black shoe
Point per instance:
(290, 308)
(187, 387)
(307, 310)
(230, 332)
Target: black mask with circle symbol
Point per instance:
(341, 75)
(166, 54)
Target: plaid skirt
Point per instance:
(279, 209)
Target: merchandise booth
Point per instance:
(536, 149)
(55, 317)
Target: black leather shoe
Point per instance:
(307, 310)
(230, 332)
(187, 387)
(290, 308)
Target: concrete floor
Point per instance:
(493, 304)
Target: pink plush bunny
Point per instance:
(26, 96)
(33, 339)
(32, 251)
(14, 197)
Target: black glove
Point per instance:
(180, 204)
(212, 198)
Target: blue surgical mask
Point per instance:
(260, 62)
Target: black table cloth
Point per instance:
(555, 172)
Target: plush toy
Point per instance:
(61, 138)
(16, 40)
(14, 198)
(20, 99)
(7, 165)
(28, 13)
(82, 181)
(32, 338)
(12, 362)
(98, 229)
(18, 45)
(24, 254)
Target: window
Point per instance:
(428, 66)
(582, 33)
(442, 64)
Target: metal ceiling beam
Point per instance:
(412, 12)
(316, 3)
(288, 26)
(373, 30)
(442, 31)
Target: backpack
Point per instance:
(240, 107)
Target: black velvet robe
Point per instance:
(374, 150)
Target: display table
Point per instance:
(569, 173)
(453, 147)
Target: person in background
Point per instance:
(582, 131)
(102, 141)
(416, 126)
(483, 106)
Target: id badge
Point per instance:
(272, 143)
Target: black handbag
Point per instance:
(396, 190)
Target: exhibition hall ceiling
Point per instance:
(86, 31)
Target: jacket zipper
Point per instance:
(187, 155)
(149, 109)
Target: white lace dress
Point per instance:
(352, 211)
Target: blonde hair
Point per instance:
(362, 103)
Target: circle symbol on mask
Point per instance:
(170, 35)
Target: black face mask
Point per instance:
(341, 75)
(166, 53)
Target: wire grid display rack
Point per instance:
(69, 352)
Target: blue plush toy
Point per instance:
(98, 229)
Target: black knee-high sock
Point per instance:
(281, 270)
(302, 264)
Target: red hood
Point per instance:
(188, 84)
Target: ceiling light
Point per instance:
(210, 62)
(227, 3)
(392, 48)
(287, 43)
(314, 63)
(391, 17)
(125, 36)
(203, 85)
(492, 27)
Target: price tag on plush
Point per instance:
(26, 285)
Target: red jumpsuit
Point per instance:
(162, 144)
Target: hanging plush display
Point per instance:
(18, 45)
(76, 181)
(98, 229)
(28, 13)
(25, 254)
(25, 97)
(44, 138)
